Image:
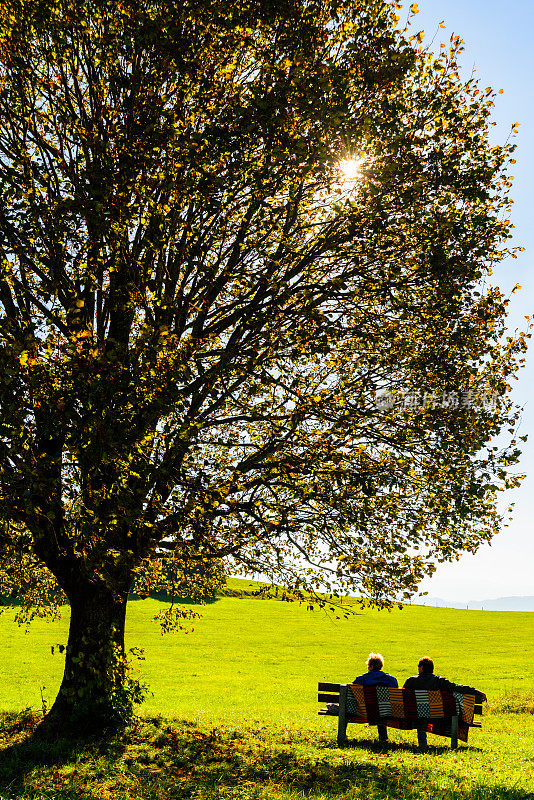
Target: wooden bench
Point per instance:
(364, 709)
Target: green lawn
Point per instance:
(238, 695)
(270, 654)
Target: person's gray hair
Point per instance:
(375, 661)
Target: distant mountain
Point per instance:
(497, 604)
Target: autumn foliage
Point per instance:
(201, 316)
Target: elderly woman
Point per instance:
(375, 676)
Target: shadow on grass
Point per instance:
(166, 597)
(392, 746)
(154, 759)
(24, 753)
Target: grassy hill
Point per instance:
(246, 648)
(247, 678)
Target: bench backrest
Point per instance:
(373, 702)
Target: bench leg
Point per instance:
(342, 718)
(454, 733)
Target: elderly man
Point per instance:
(376, 677)
(427, 680)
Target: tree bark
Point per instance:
(93, 692)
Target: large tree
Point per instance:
(243, 313)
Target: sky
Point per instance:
(500, 48)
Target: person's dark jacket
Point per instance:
(427, 680)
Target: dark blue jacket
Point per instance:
(376, 678)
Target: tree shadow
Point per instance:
(158, 759)
(375, 746)
(166, 597)
(217, 762)
(30, 750)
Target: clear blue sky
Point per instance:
(499, 40)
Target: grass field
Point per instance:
(233, 712)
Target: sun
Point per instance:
(351, 168)
(345, 180)
(351, 171)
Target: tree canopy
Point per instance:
(244, 314)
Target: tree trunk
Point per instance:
(94, 691)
